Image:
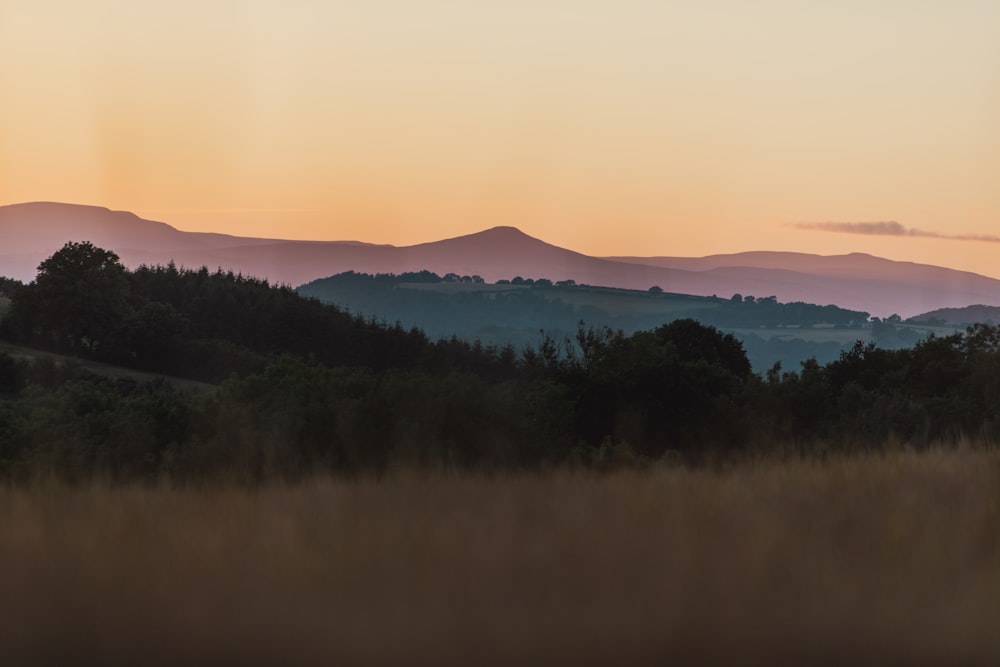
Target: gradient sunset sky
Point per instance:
(610, 127)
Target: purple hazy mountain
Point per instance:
(31, 232)
(966, 315)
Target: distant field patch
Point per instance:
(617, 302)
(843, 336)
(613, 301)
(462, 288)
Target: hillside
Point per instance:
(35, 356)
(960, 316)
(32, 231)
(515, 314)
(856, 280)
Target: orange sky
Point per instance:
(611, 127)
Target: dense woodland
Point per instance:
(303, 386)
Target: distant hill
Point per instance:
(857, 280)
(515, 314)
(31, 232)
(978, 314)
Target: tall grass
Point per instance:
(871, 559)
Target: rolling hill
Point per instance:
(31, 232)
(961, 316)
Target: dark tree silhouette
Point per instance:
(77, 301)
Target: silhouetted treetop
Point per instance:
(78, 299)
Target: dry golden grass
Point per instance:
(892, 559)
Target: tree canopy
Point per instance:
(78, 299)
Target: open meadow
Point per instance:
(865, 558)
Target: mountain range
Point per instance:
(30, 232)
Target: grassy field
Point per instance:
(614, 301)
(870, 559)
(107, 370)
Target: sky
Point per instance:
(612, 127)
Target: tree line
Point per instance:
(304, 386)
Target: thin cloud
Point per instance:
(238, 210)
(889, 228)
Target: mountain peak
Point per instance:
(493, 239)
(505, 232)
(504, 229)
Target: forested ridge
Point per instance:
(513, 311)
(304, 387)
